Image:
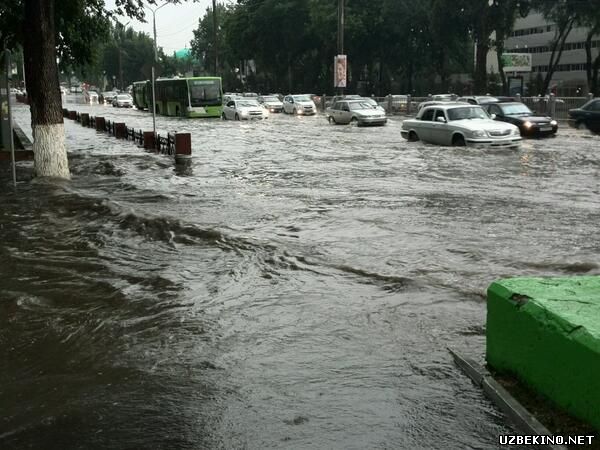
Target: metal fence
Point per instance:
(406, 105)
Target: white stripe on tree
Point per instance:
(50, 151)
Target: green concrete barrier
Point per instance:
(546, 332)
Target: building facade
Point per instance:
(534, 35)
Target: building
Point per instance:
(533, 34)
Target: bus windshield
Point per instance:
(205, 92)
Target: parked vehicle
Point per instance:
(299, 105)
(123, 101)
(358, 111)
(460, 124)
(435, 102)
(90, 97)
(228, 97)
(271, 102)
(520, 115)
(399, 103)
(244, 109)
(478, 99)
(250, 94)
(109, 96)
(586, 116)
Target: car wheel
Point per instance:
(580, 126)
(354, 121)
(331, 120)
(413, 137)
(223, 116)
(458, 141)
(237, 117)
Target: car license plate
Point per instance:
(545, 128)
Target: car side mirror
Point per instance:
(441, 119)
(493, 116)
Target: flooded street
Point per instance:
(297, 289)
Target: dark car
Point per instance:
(588, 115)
(520, 115)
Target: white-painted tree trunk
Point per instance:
(50, 151)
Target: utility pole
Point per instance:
(340, 34)
(121, 54)
(215, 36)
(153, 64)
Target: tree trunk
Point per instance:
(588, 60)
(557, 49)
(499, 52)
(480, 79)
(43, 90)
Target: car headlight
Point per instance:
(479, 133)
(516, 131)
(527, 124)
(298, 111)
(553, 123)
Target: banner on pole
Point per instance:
(340, 66)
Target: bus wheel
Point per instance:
(177, 111)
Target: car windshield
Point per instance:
(122, 97)
(517, 109)
(270, 99)
(247, 103)
(302, 98)
(356, 106)
(205, 92)
(467, 112)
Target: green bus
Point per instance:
(181, 97)
(142, 94)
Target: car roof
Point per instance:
(449, 105)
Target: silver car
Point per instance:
(244, 109)
(299, 105)
(358, 111)
(271, 102)
(123, 101)
(460, 124)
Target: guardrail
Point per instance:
(178, 145)
(407, 105)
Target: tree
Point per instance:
(49, 29)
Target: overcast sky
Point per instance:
(174, 23)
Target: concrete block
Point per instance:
(546, 332)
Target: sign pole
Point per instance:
(11, 139)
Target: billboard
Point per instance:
(340, 65)
(516, 62)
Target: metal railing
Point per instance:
(407, 105)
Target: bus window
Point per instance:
(205, 92)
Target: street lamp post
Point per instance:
(215, 37)
(153, 64)
(340, 33)
(121, 54)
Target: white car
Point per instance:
(244, 109)
(299, 105)
(123, 101)
(271, 102)
(90, 97)
(357, 111)
(460, 124)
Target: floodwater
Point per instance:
(298, 288)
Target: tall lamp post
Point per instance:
(340, 32)
(153, 64)
(215, 41)
(124, 27)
